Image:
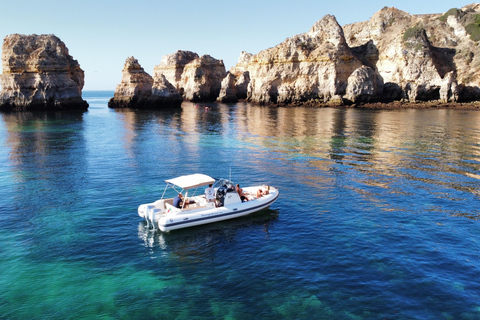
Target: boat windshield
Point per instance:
(224, 183)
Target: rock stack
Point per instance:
(197, 78)
(394, 56)
(39, 74)
(140, 91)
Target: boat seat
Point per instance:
(169, 206)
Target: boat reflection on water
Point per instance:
(208, 234)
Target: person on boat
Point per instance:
(178, 201)
(260, 192)
(240, 193)
(210, 193)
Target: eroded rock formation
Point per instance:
(172, 67)
(228, 92)
(196, 78)
(393, 56)
(238, 81)
(39, 74)
(313, 65)
(139, 90)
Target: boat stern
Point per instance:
(143, 209)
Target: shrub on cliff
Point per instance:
(413, 32)
(415, 37)
(473, 29)
(452, 12)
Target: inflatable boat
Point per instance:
(188, 207)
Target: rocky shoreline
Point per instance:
(393, 61)
(394, 105)
(424, 105)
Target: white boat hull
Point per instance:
(168, 218)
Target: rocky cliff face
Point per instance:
(398, 47)
(236, 86)
(196, 78)
(172, 66)
(313, 65)
(39, 73)
(394, 56)
(139, 90)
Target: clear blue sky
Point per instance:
(102, 34)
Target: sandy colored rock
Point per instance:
(172, 67)
(310, 66)
(419, 56)
(196, 78)
(139, 90)
(228, 91)
(39, 74)
(395, 56)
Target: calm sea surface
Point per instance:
(378, 215)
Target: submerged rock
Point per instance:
(139, 90)
(39, 74)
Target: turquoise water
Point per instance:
(378, 216)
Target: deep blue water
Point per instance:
(378, 216)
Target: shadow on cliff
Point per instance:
(368, 54)
(443, 60)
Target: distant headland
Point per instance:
(394, 58)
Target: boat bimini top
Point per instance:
(191, 181)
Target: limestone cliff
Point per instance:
(202, 79)
(172, 67)
(235, 84)
(139, 90)
(228, 91)
(196, 78)
(421, 57)
(393, 56)
(39, 73)
(311, 66)
(397, 46)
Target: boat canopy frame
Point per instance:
(191, 181)
(188, 182)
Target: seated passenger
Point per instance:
(240, 193)
(178, 201)
(260, 192)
